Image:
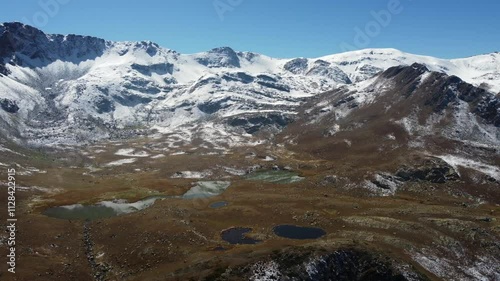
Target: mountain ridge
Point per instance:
(58, 88)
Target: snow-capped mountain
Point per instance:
(411, 102)
(70, 88)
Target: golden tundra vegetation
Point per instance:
(180, 239)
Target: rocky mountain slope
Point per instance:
(71, 89)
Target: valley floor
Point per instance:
(425, 231)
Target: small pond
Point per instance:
(104, 209)
(108, 209)
(280, 177)
(237, 235)
(220, 204)
(298, 232)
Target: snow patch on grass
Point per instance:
(192, 174)
(121, 162)
(130, 152)
(157, 156)
(456, 161)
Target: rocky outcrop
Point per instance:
(159, 68)
(253, 124)
(9, 105)
(213, 106)
(440, 91)
(325, 69)
(296, 66)
(432, 170)
(347, 264)
(3, 70)
(24, 45)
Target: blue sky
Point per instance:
(279, 28)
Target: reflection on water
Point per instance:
(220, 204)
(204, 189)
(108, 209)
(104, 209)
(281, 177)
(237, 235)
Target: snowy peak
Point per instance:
(26, 45)
(482, 70)
(65, 85)
(219, 57)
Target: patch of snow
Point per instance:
(268, 159)
(192, 175)
(121, 162)
(234, 171)
(130, 152)
(391, 137)
(348, 142)
(456, 161)
(157, 156)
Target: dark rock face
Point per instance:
(22, 44)
(268, 78)
(104, 105)
(142, 85)
(151, 48)
(254, 124)
(489, 109)
(440, 91)
(369, 70)
(238, 77)
(410, 73)
(324, 69)
(407, 77)
(296, 66)
(220, 57)
(431, 170)
(131, 100)
(449, 90)
(353, 265)
(211, 107)
(9, 105)
(276, 86)
(7, 46)
(344, 100)
(204, 82)
(160, 68)
(3, 70)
